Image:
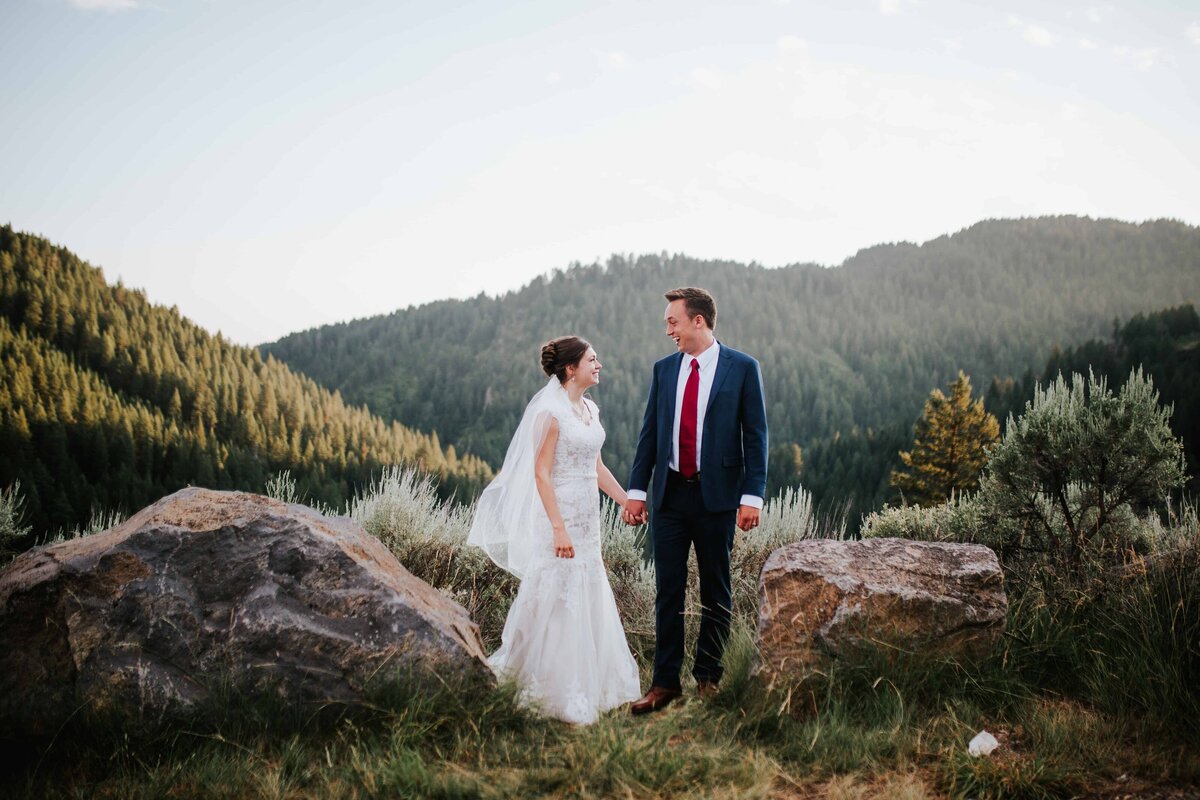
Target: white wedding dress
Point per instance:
(563, 640)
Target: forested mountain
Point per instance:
(1165, 344)
(108, 402)
(849, 354)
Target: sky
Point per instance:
(269, 166)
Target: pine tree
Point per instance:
(950, 447)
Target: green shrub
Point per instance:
(1073, 469)
(1126, 638)
(1104, 598)
(958, 520)
(11, 529)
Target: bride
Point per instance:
(539, 519)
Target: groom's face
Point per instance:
(688, 334)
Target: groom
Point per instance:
(704, 442)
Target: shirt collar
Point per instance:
(707, 358)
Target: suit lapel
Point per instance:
(723, 359)
(671, 384)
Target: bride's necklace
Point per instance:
(579, 414)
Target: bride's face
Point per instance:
(587, 371)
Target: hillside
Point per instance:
(108, 402)
(848, 353)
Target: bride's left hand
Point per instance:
(563, 546)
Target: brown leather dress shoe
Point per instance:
(657, 698)
(706, 689)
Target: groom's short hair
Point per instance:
(698, 302)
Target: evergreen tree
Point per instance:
(108, 402)
(950, 447)
(846, 348)
(847, 353)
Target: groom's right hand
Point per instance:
(634, 512)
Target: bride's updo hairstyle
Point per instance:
(560, 353)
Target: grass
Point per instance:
(1088, 690)
(862, 734)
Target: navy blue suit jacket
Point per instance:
(733, 444)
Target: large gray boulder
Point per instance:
(825, 600)
(206, 590)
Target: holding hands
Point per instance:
(634, 512)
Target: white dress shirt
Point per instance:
(708, 369)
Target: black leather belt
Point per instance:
(679, 477)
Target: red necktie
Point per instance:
(687, 423)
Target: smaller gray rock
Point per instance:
(205, 589)
(822, 600)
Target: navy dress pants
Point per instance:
(679, 524)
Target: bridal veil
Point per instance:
(510, 506)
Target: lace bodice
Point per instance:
(579, 444)
(575, 489)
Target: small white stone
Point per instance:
(983, 744)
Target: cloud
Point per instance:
(1037, 35)
(104, 5)
(799, 157)
(892, 8)
(1098, 14)
(553, 78)
(1193, 32)
(1142, 58)
(1031, 32)
(791, 44)
(707, 78)
(828, 136)
(1087, 44)
(615, 60)
(951, 44)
